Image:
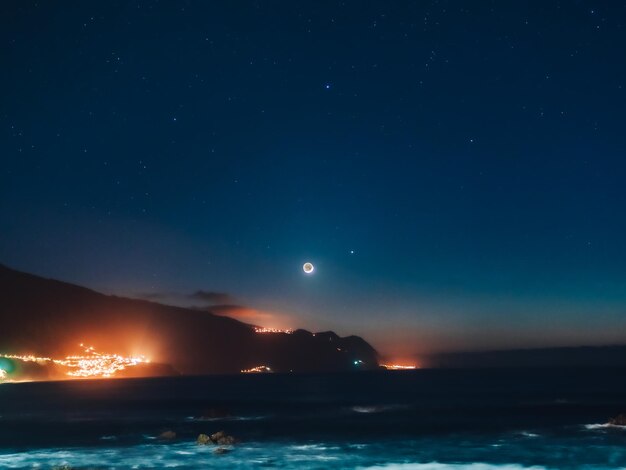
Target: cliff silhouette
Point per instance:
(45, 317)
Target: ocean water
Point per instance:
(423, 420)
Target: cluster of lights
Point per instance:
(259, 329)
(256, 370)
(90, 364)
(3, 374)
(397, 367)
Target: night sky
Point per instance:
(456, 171)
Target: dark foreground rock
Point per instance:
(218, 438)
(222, 438)
(167, 436)
(203, 440)
(619, 420)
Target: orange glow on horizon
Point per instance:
(263, 319)
(256, 370)
(399, 367)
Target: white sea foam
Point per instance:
(376, 409)
(408, 455)
(449, 466)
(307, 447)
(365, 409)
(604, 426)
(249, 455)
(182, 455)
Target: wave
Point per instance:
(448, 466)
(249, 455)
(377, 408)
(603, 426)
(423, 454)
(225, 418)
(180, 455)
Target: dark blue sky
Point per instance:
(455, 170)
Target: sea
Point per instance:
(488, 419)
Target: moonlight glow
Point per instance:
(308, 268)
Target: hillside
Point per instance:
(50, 318)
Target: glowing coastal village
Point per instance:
(91, 364)
(95, 365)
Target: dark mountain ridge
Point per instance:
(45, 317)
